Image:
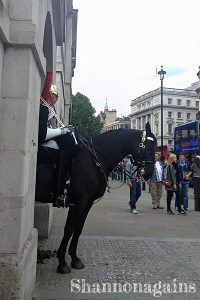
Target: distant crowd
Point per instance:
(172, 175)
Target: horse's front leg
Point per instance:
(76, 261)
(63, 268)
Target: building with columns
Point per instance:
(198, 92)
(179, 106)
(35, 36)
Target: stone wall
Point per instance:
(22, 71)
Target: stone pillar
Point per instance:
(20, 79)
(68, 68)
(22, 65)
(137, 125)
(18, 150)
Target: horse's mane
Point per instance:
(121, 130)
(118, 131)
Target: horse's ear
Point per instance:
(148, 128)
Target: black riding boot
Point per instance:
(62, 200)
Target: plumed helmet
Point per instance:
(53, 90)
(47, 85)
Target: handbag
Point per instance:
(167, 182)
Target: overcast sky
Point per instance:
(121, 42)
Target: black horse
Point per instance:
(89, 173)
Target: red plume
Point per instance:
(47, 85)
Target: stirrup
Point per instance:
(62, 201)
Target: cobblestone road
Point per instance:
(131, 265)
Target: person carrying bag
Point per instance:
(172, 177)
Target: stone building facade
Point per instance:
(197, 88)
(35, 36)
(111, 121)
(123, 122)
(108, 116)
(179, 106)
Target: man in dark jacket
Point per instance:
(133, 183)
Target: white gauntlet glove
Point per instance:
(70, 129)
(54, 132)
(65, 130)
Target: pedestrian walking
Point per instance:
(134, 184)
(195, 168)
(184, 172)
(174, 188)
(156, 185)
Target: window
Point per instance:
(179, 115)
(169, 100)
(188, 102)
(188, 131)
(170, 142)
(178, 101)
(169, 114)
(178, 134)
(156, 128)
(149, 118)
(139, 123)
(197, 104)
(188, 116)
(170, 129)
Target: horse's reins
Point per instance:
(92, 151)
(140, 161)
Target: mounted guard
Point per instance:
(89, 165)
(55, 142)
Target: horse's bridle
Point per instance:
(140, 161)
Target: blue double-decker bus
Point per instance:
(187, 138)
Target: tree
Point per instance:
(83, 114)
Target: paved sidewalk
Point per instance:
(118, 247)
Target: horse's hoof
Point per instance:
(63, 269)
(77, 264)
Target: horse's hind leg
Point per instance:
(76, 262)
(63, 268)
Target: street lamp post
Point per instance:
(162, 75)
